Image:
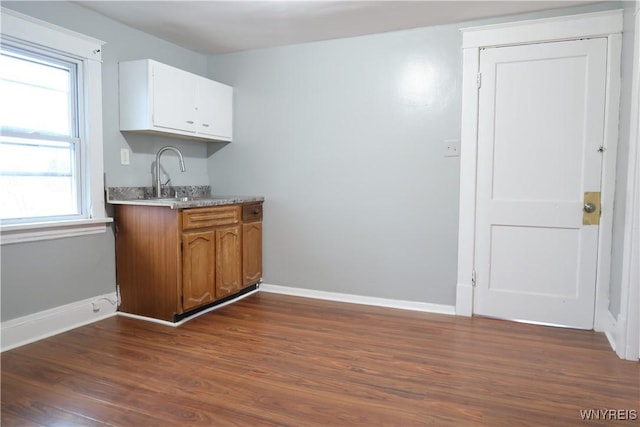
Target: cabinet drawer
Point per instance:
(252, 212)
(210, 217)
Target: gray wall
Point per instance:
(350, 158)
(345, 139)
(41, 275)
(623, 158)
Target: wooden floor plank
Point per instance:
(274, 360)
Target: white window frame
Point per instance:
(76, 136)
(40, 33)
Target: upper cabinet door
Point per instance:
(174, 103)
(215, 115)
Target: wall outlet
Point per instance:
(124, 156)
(451, 148)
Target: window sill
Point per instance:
(34, 232)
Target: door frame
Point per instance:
(625, 338)
(607, 24)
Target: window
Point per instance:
(51, 165)
(41, 143)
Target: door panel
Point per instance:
(541, 122)
(251, 253)
(228, 261)
(214, 108)
(198, 274)
(174, 93)
(513, 248)
(524, 132)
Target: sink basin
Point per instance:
(177, 199)
(184, 198)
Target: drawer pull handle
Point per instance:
(205, 125)
(190, 122)
(256, 212)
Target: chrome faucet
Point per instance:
(158, 183)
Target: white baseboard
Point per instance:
(36, 326)
(464, 299)
(358, 299)
(33, 327)
(610, 329)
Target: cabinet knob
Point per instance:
(256, 212)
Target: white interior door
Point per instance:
(540, 127)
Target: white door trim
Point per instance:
(600, 24)
(597, 24)
(627, 327)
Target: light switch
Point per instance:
(451, 148)
(124, 156)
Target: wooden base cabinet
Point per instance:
(170, 262)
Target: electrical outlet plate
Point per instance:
(124, 156)
(451, 148)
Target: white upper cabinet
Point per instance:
(158, 98)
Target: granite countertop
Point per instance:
(174, 197)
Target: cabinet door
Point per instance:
(215, 102)
(198, 268)
(251, 253)
(228, 261)
(174, 98)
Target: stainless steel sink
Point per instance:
(185, 198)
(178, 199)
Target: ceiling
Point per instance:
(212, 27)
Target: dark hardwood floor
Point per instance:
(274, 360)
